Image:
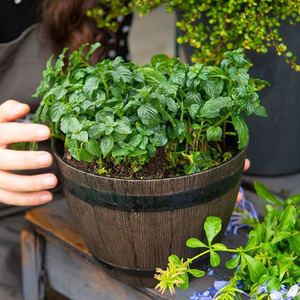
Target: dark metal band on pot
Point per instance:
(142, 203)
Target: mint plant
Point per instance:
(118, 113)
(269, 260)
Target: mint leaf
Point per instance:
(242, 131)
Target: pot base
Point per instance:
(131, 277)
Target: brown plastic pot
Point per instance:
(132, 226)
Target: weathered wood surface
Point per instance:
(70, 265)
(32, 265)
(77, 278)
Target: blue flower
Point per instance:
(201, 296)
(242, 212)
(293, 291)
(262, 289)
(275, 295)
(219, 284)
(210, 272)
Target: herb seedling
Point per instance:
(123, 115)
(269, 260)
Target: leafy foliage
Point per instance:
(270, 258)
(212, 27)
(118, 112)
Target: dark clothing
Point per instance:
(16, 18)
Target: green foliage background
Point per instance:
(213, 26)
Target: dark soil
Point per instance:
(156, 168)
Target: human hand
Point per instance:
(246, 167)
(22, 189)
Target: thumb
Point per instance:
(11, 110)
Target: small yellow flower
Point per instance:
(170, 277)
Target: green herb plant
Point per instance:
(121, 113)
(270, 257)
(213, 27)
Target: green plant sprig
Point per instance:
(118, 112)
(213, 27)
(271, 255)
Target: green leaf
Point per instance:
(213, 88)
(256, 268)
(185, 283)
(148, 115)
(84, 155)
(56, 111)
(58, 92)
(212, 107)
(93, 147)
(288, 218)
(120, 152)
(242, 131)
(159, 139)
(153, 77)
(294, 243)
(260, 111)
(174, 259)
(273, 284)
(70, 125)
(196, 273)
(194, 110)
(96, 131)
(72, 146)
(264, 194)
(178, 77)
(74, 125)
(106, 145)
(214, 134)
(214, 259)
(295, 199)
(172, 105)
(81, 136)
(219, 247)
(91, 85)
(195, 243)
(212, 227)
(233, 263)
(123, 127)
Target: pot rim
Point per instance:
(221, 166)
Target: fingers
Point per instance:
(12, 110)
(247, 164)
(19, 132)
(24, 160)
(21, 183)
(25, 199)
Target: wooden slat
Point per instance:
(77, 278)
(55, 219)
(31, 264)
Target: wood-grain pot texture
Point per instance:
(134, 225)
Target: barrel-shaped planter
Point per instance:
(132, 226)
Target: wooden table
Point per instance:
(53, 254)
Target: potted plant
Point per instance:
(269, 31)
(146, 153)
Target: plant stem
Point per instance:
(197, 256)
(223, 119)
